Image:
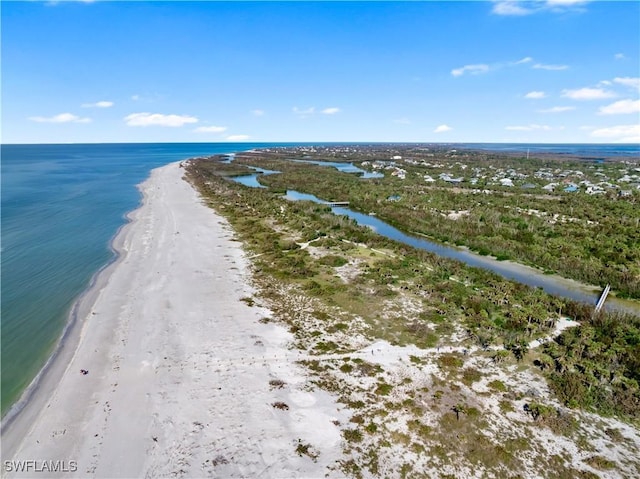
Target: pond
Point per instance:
(252, 179)
(344, 168)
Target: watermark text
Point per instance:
(34, 465)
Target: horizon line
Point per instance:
(320, 143)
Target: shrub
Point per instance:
(497, 385)
(333, 260)
(383, 389)
(352, 435)
(277, 383)
(303, 449)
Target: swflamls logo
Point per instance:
(33, 465)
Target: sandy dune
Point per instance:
(178, 366)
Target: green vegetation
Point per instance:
(590, 238)
(349, 282)
(305, 449)
(383, 389)
(599, 462)
(497, 385)
(597, 366)
(594, 367)
(352, 435)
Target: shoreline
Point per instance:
(25, 409)
(69, 331)
(170, 348)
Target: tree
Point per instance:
(459, 408)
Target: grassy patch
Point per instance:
(346, 368)
(506, 406)
(450, 361)
(599, 462)
(383, 389)
(332, 260)
(277, 383)
(352, 435)
(248, 301)
(497, 385)
(470, 376)
(306, 449)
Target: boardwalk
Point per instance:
(603, 298)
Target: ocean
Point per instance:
(61, 206)
(580, 150)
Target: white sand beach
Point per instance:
(178, 365)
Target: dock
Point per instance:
(603, 298)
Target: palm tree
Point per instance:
(459, 408)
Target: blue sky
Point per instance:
(557, 71)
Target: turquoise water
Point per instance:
(61, 205)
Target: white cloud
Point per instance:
(557, 109)
(619, 56)
(511, 8)
(158, 119)
(473, 69)
(147, 97)
(588, 94)
(535, 95)
(304, 113)
(520, 7)
(541, 66)
(442, 129)
(620, 133)
(98, 104)
(561, 6)
(621, 107)
(237, 137)
(529, 128)
(61, 118)
(480, 68)
(257, 112)
(53, 3)
(565, 3)
(210, 129)
(331, 111)
(628, 81)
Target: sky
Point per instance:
(548, 71)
